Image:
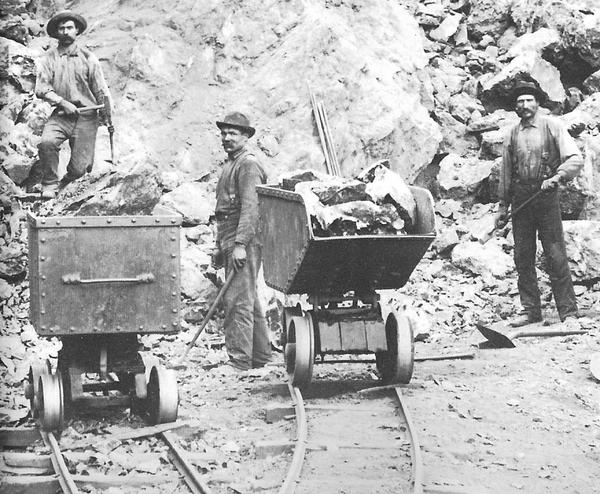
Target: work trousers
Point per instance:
(81, 132)
(541, 216)
(246, 334)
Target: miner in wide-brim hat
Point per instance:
(238, 246)
(57, 19)
(70, 78)
(538, 155)
(239, 121)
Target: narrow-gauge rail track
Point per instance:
(31, 480)
(376, 431)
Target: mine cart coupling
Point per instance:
(179, 364)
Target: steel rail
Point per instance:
(291, 480)
(190, 475)
(417, 460)
(67, 484)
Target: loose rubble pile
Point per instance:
(376, 202)
(430, 97)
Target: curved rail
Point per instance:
(293, 475)
(417, 459)
(291, 480)
(67, 484)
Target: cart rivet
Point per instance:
(174, 311)
(173, 276)
(43, 294)
(42, 240)
(43, 312)
(157, 220)
(164, 326)
(175, 323)
(109, 220)
(71, 329)
(141, 327)
(133, 220)
(95, 329)
(118, 328)
(173, 256)
(83, 222)
(43, 328)
(173, 221)
(43, 277)
(174, 294)
(43, 222)
(58, 222)
(173, 239)
(42, 258)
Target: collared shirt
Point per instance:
(237, 200)
(72, 73)
(533, 155)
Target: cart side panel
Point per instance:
(34, 279)
(341, 264)
(105, 279)
(285, 234)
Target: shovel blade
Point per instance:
(495, 339)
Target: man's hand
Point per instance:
(216, 258)
(238, 256)
(501, 217)
(68, 107)
(551, 183)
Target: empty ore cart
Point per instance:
(96, 283)
(341, 276)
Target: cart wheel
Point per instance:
(288, 313)
(163, 398)
(396, 364)
(300, 350)
(50, 402)
(32, 387)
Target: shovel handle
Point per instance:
(550, 332)
(209, 314)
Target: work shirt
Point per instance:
(237, 201)
(72, 73)
(536, 150)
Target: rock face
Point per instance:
(461, 176)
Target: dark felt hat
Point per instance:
(65, 15)
(526, 87)
(239, 121)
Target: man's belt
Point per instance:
(528, 181)
(226, 216)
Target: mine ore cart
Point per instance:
(341, 276)
(96, 283)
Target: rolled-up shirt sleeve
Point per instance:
(43, 82)
(250, 175)
(505, 171)
(570, 156)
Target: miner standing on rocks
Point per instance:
(69, 77)
(538, 154)
(238, 245)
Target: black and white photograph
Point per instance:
(300, 246)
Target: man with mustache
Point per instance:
(69, 77)
(538, 154)
(238, 245)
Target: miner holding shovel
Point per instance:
(538, 154)
(70, 79)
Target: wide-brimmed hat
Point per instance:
(526, 87)
(65, 15)
(237, 120)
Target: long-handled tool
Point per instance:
(83, 109)
(111, 129)
(498, 339)
(179, 364)
(483, 238)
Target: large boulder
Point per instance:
(583, 249)
(492, 143)
(497, 91)
(488, 260)
(447, 28)
(17, 166)
(12, 27)
(195, 201)
(454, 135)
(194, 263)
(488, 17)
(461, 176)
(535, 42)
(17, 65)
(592, 82)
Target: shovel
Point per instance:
(179, 364)
(485, 236)
(498, 339)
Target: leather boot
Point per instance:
(525, 319)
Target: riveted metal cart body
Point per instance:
(341, 275)
(96, 283)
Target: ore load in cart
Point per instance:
(341, 276)
(96, 283)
